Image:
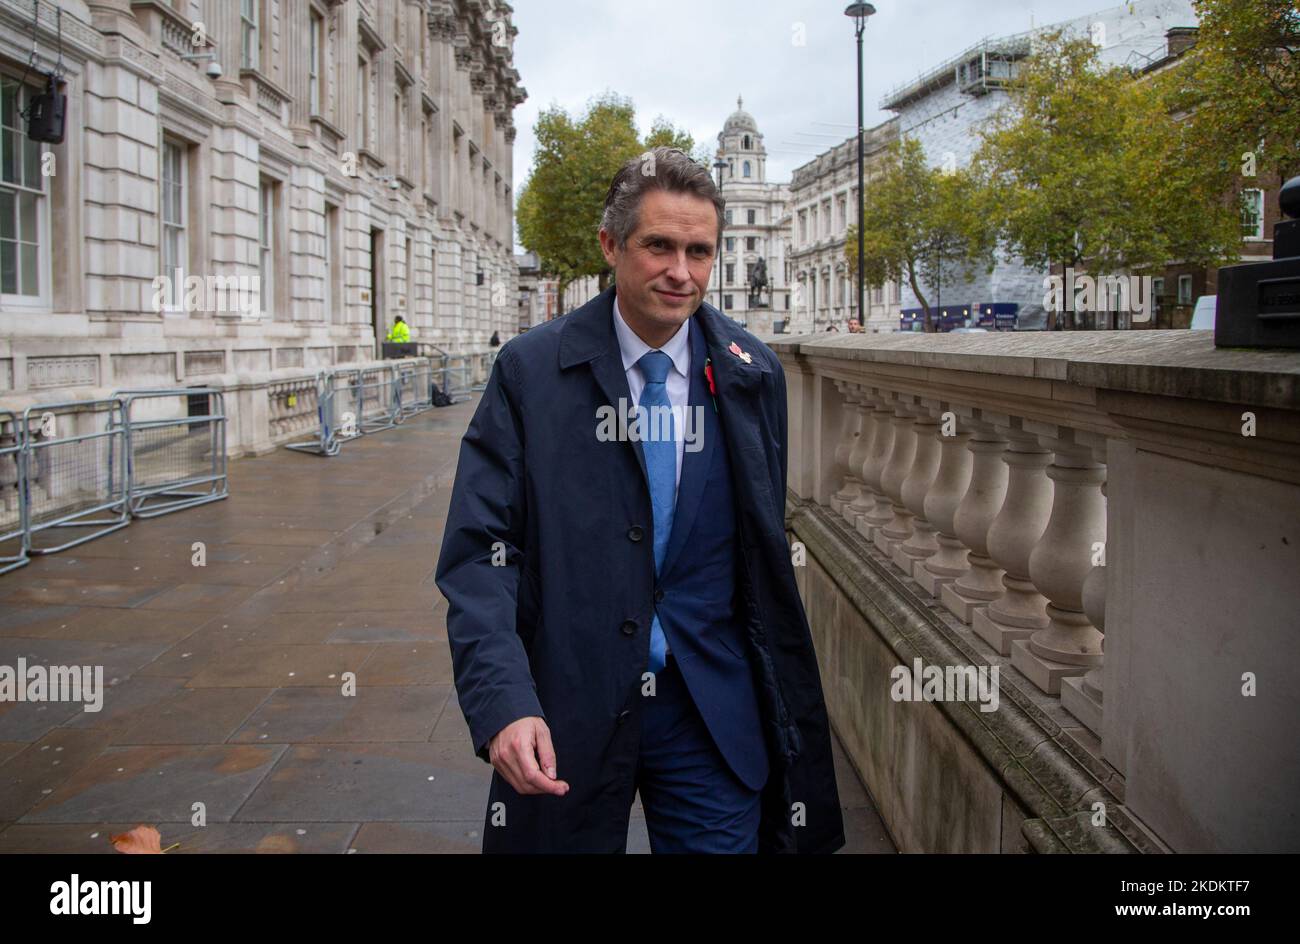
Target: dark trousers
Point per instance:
(693, 801)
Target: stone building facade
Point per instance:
(824, 201)
(338, 162)
(757, 211)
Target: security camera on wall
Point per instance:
(213, 71)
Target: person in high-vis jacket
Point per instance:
(400, 333)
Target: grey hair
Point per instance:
(660, 168)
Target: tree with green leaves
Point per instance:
(561, 202)
(1240, 85)
(1092, 169)
(920, 225)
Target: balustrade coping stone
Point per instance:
(1167, 362)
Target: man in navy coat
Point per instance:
(622, 607)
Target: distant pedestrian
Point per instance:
(495, 340)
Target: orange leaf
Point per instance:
(141, 840)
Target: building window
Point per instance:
(751, 243)
(749, 273)
(745, 144)
(731, 244)
(399, 110)
(24, 240)
(173, 220)
(1184, 290)
(745, 168)
(248, 33)
(728, 217)
(803, 227)
(1252, 214)
(266, 243)
(750, 216)
(726, 301)
(363, 102)
(314, 77)
(731, 272)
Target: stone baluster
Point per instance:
(1021, 609)
(918, 484)
(1081, 696)
(901, 457)
(979, 582)
(951, 483)
(1059, 564)
(848, 436)
(873, 469)
(867, 431)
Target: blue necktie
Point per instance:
(661, 468)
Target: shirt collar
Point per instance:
(633, 348)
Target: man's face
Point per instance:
(663, 272)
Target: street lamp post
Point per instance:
(720, 165)
(859, 12)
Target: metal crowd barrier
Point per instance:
(415, 388)
(75, 470)
(454, 381)
(376, 393)
(359, 401)
(326, 441)
(176, 454)
(13, 497)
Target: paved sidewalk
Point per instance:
(223, 682)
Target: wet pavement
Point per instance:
(223, 720)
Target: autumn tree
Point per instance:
(920, 225)
(1091, 167)
(561, 202)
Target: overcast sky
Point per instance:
(688, 60)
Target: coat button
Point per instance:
(622, 715)
(659, 596)
(629, 627)
(635, 533)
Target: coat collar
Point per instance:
(588, 335)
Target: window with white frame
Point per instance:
(314, 62)
(24, 210)
(266, 243)
(1252, 214)
(248, 16)
(1184, 290)
(174, 222)
(362, 129)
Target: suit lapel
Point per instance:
(695, 465)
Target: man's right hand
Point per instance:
(522, 753)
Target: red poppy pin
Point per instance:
(708, 375)
(743, 355)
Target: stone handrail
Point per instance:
(1112, 518)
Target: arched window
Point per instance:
(746, 168)
(745, 144)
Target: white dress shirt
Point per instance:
(677, 383)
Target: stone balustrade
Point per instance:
(1088, 513)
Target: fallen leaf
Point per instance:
(141, 840)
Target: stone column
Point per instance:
(865, 499)
(979, 581)
(1081, 696)
(951, 483)
(899, 527)
(1020, 610)
(917, 485)
(848, 436)
(1070, 644)
(882, 444)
